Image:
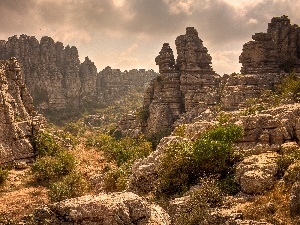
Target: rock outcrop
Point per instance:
(274, 51)
(17, 123)
(181, 86)
(57, 80)
(257, 173)
(117, 208)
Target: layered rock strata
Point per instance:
(57, 80)
(274, 51)
(187, 87)
(17, 124)
(182, 85)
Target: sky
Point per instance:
(128, 34)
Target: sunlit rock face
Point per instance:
(17, 121)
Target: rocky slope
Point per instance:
(57, 80)
(18, 121)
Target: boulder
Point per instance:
(123, 208)
(256, 173)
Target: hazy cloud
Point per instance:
(109, 26)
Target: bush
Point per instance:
(176, 170)
(206, 196)
(116, 179)
(155, 138)
(45, 144)
(290, 87)
(180, 131)
(49, 168)
(121, 150)
(72, 185)
(3, 175)
(284, 161)
(184, 162)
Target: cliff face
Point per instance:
(274, 51)
(17, 124)
(57, 80)
(49, 70)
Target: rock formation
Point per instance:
(57, 80)
(111, 84)
(17, 124)
(188, 86)
(274, 51)
(181, 86)
(117, 208)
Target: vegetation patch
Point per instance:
(72, 185)
(3, 175)
(207, 196)
(185, 162)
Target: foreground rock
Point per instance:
(17, 123)
(118, 208)
(256, 173)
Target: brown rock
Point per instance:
(117, 208)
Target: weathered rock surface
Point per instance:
(274, 51)
(117, 208)
(145, 171)
(17, 124)
(57, 80)
(181, 86)
(256, 173)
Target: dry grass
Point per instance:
(272, 206)
(19, 196)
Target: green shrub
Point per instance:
(184, 162)
(46, 145)
(116, 179)
(49, 168)
(144, 114)
(290, 87)
(72, 185)
(3, 175)
(228, 185)
(180, 131)
(176, 169)
(74, 128)
(197, 209)
(284, 161)
(155, 137)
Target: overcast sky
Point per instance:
(128, 34)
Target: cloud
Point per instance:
(223, 25)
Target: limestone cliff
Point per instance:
(57, 80)
(17, 124)
(274, 51)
